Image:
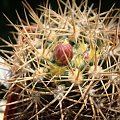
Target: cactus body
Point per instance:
(62, 81)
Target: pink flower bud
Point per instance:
(63, 53)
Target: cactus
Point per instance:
(65, 65)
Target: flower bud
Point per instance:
(63, 53)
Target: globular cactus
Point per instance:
(65, 65)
